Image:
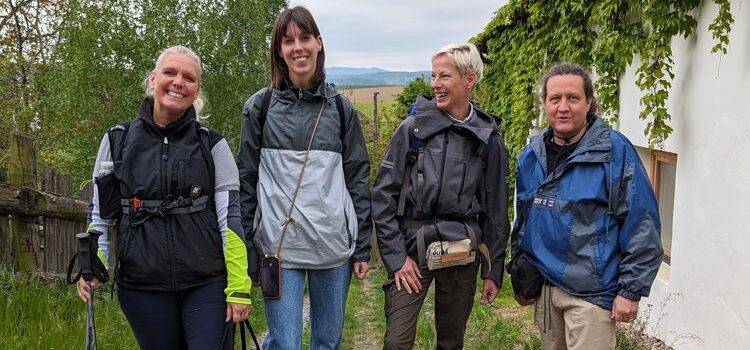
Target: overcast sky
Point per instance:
(395, 34)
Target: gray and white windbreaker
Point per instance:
(332, 209)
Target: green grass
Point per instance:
(36, 314)
(504, 325)
(364, 321)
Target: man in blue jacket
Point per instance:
(587, 219)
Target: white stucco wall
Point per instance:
(708, 282)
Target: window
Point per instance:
(663, 171)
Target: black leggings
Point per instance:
(191, 319)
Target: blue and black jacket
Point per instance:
(592, 225)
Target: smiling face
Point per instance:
(566, 104)
(300, 53)
(175, 84)
(451, 88)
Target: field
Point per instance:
(359, 95)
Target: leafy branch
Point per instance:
(721, 26)
(526, 36)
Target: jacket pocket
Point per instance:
(463, 179)
(548, 235)
(199, 250)
(460, 180)
(144, 259)
(599, 243)
(348, 231)
(179, 172)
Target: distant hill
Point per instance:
(353, 77)
(353, 71)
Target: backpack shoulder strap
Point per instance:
(416, 146)
(486, 150)
(117, 136)
(265, 103)
(412, 110)
(482, 187)
(203, 134)
(342, 119)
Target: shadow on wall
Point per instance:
(742, 15)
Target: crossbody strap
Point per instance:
(288, 218)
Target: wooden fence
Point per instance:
(39, 216)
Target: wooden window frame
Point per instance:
(656, 158)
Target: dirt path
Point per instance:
(305, 318)
(367, 335)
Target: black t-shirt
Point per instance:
(557, 154)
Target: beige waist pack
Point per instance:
(446, 254)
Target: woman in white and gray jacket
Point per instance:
(329, 232)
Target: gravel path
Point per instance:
(305, 317)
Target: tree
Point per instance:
(93, 76)
(415, 88)
(28, 33)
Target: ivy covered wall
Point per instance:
(526, 36)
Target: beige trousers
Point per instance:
(572, 323)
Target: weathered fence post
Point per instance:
(24, 229)
(6, 244)
(375, 122)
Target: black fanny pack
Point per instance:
(526, 279)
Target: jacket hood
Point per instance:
(430, 120)
(146, 114)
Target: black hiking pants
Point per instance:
(192, 319)
(454, 296)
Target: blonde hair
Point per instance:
(465, 55)
(200, 101)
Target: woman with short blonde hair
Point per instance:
(442, 188)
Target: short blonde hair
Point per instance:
(199, 102)
(465, 55)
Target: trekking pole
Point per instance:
(90, 325)
(87, 247)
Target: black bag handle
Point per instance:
(246, 324)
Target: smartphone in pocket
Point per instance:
(270, 277)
